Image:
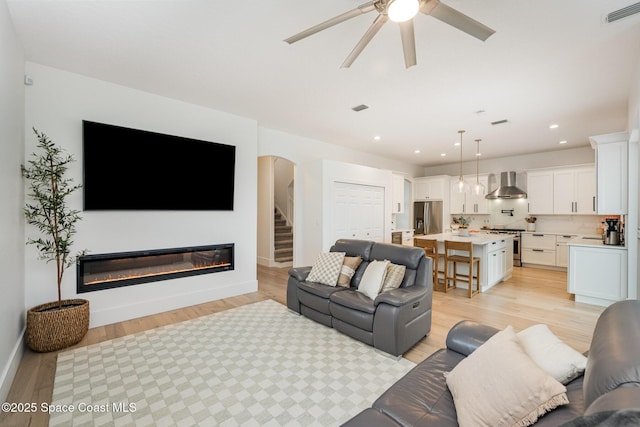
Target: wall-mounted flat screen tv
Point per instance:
(130, 169)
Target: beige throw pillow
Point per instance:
(372, 279)
(348, 269)
(393, 279)
(499, 385)
(550, 353)
(326, 269)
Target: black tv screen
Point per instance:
(130, 169)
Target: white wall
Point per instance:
(12, 194)
(265, 210)
(56, 104)
(633, 128)
(308, 156)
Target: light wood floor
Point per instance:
(532, 296)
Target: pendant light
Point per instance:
(461, 186)
(478, 189)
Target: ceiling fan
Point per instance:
(403, 12)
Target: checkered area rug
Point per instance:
(255, 365)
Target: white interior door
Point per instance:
(358, 212)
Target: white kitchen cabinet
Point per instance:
(496, 261)
(398, 194)
(540, 192)
(562, 250)
(456, 199)
(468, 202)
(597, 274)
(476, 203)
(431, 188)
(611, 173)
(539, 248)
(574, 191)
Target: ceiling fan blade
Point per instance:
(456, 19)
(408, 43)
(363, 8)
(364, 41)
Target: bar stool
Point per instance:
(430, 247)
(461, 258)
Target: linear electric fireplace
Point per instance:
(105, 271)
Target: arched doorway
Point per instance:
(275, 211)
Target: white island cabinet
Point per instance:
(494, 250)
(597, 273)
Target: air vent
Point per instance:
(360, 107)
(500, 122)
(623, 13)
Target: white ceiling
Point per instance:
(549, 62)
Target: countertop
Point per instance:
(590, 241)
(479, 238)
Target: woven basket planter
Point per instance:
(51, 329)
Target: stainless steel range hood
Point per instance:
(507, 188)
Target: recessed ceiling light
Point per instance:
(562, 142)
(443, 154)
(416, 151)
(456, 143)
(478, 154)
(554, 126)
(377, 138)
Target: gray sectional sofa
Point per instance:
(394, 322)
(608, 394)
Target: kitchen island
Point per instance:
(494, 250)
(597, 273)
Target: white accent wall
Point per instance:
(12, 195)
(56, 104)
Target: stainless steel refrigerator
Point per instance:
(427, 217)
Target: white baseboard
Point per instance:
(10, 369)
(154, 306)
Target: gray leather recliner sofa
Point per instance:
(394, 322)
(608, 394)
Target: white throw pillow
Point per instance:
(327, 268)
(499, 385)
(550, 353)
(372, 279)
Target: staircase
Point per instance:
(283, 239)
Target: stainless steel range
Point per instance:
(517, 234)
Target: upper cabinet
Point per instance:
(540, 191)
(574, 191)
(468, 202)
(611, 173)
(398, 194)
(562, 191)
(431, 188)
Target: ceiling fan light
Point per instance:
(402, 10)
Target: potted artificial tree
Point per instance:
(54, 325)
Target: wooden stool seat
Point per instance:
(430, 247)
(455, 258)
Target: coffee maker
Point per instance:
(612, 235)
